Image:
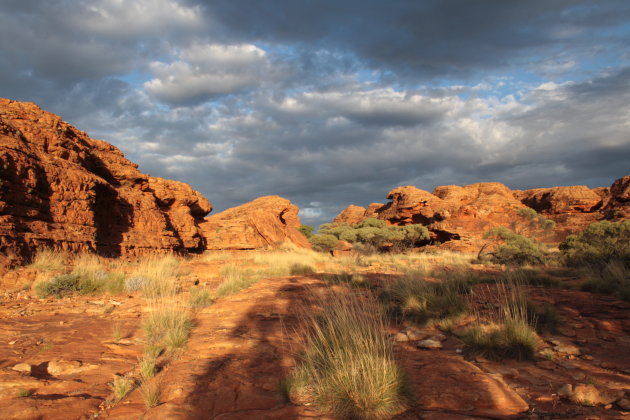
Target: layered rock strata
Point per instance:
(61, 188)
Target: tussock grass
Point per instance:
(412, 298)
(348, 368)
(530, 276)
(121, 385)
(210, 256)
(156, 276)
(49, 259)
(167, 324)
(234, 280)
(511, 334)
(147, 368)
(199, 298)
(150, 394)
(612, 278)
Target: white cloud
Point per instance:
(206, 70)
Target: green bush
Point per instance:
(515, 249)
(372, 234)
(324, 242)
(306, 230)
(598, 244)
(58, 286)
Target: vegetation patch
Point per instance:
(121, 385)
(348, 368)
(599, 244)
(48, 259)
(199, 298)
(155, 276)
(168, 325)
(234, 280)
(411, 297)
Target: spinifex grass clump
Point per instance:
(348, 367)
(167, 324)
(510, 334)
(413, 298)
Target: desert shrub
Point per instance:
(612, 279)
(58, 286)
(301, 269)
(531, 221)
(167, 324)
(199, 298)
(371, 235)
(324, 242)
(234, 279)
(515, 249)
(598, 244)
(348, 368)
(48, 259)
(306, 230)
(412, 298)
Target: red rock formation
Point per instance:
(351, 215)
(61, 188)
(617, 206)
(264, 222)
(466, 213)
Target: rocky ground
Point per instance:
(59, 356)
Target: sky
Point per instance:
(334, 102)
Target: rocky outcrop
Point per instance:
(264, 222)
(63, 189)
(465, 213)
(617, 206)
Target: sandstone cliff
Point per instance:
(61, 188)
(264, 222)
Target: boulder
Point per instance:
(265, 222)
(63, 189)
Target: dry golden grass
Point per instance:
(348, 367)
(48, 259)
(167, 324)
(156, 276)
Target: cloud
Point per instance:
(204, 71)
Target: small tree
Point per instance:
(306, 230)
(324, 242)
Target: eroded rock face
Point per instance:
(61, 188)
(617, 206)
(264, 222)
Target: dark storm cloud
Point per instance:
(436, 38)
